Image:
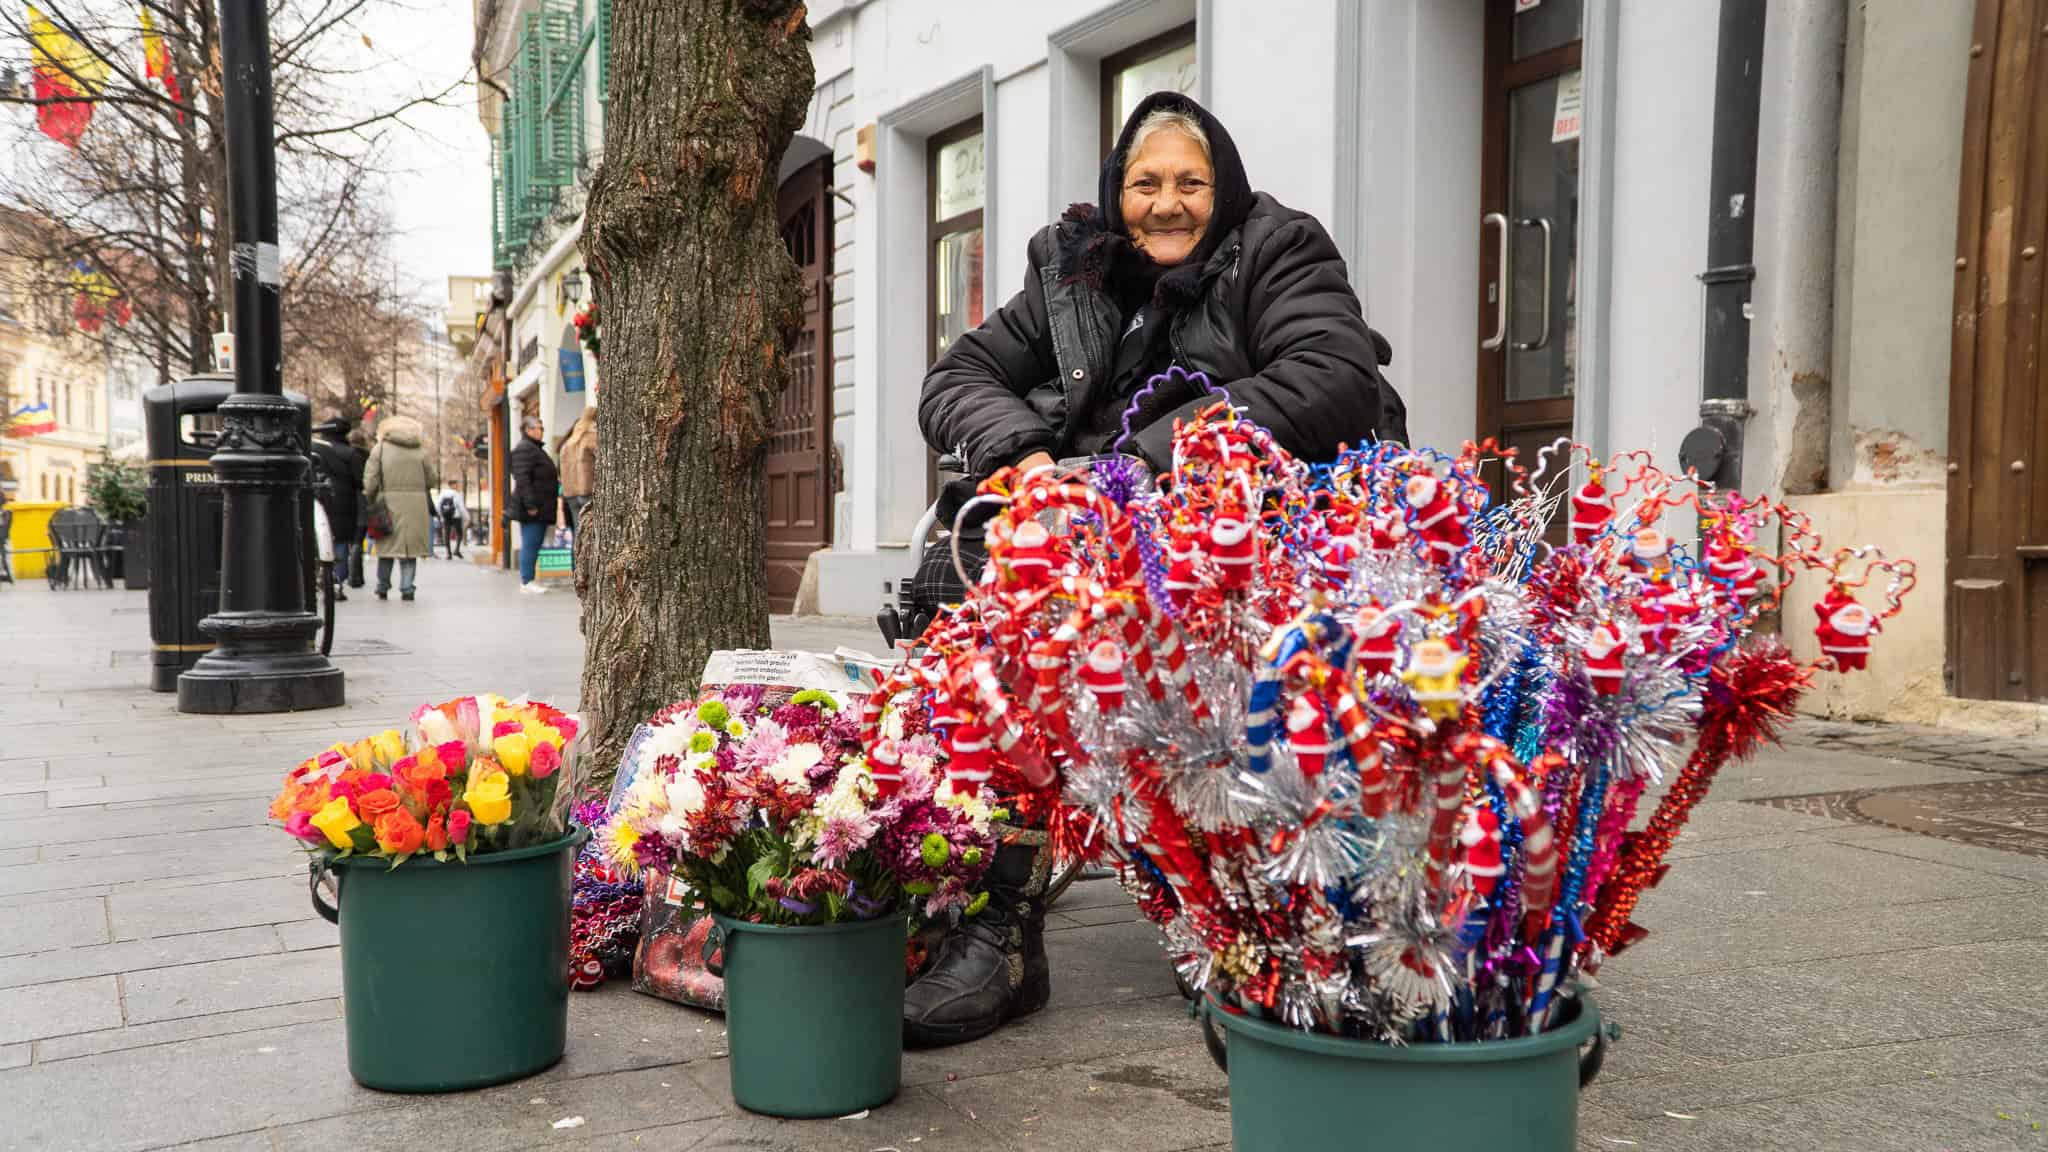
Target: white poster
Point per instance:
(1571, 101)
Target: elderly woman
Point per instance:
(1180, 264)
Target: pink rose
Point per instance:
(300, 824)
(567, 726)
(374, 781)
(543, 761)
(344, 789)
(458, 826)
(403, 766)
(454, 754)
(506, 728)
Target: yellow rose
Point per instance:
(335, 821)
(490, 798)
(388, 747)
(513, 750)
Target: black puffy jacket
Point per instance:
(1270, 316)
(535, 483)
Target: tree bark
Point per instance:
(700, 304)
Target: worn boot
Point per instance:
(991, 967)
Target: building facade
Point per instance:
(87, 386)
(1779, 243)
(1528, 197)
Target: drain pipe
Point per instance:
(1714, 449)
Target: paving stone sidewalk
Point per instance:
(1842, 957)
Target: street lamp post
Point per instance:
(264, 658)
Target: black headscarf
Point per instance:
(1101, 252)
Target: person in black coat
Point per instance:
(338, 485)
(536, 492)
(1181, 265)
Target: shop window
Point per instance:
(1166, 62)
(958, 192)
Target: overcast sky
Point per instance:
(441, 184)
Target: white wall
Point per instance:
(1021, 187)
(1664, 118)
(1273, 85)
(1417, 272)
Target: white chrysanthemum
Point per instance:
(736, 728)
(848, 799)
(793, 767)
(685, 794)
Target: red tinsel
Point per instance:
(1748, 699)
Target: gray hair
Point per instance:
(1169, 120)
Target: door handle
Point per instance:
(1500, 296)
(1543, 337)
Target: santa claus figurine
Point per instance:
(1844, 629)
(1652, 615)
(1388, 531)
(1030, 555)
(1103, 675)
(1181, 581)
(1604, 650)
(1730, 562)
(1308, 733)
(1438, 518)
(1681, 606)
(1235, 548)
(1480, 837)
(1334, 557)
(1648, 548)
(1592, 509)
(972, 761)
(1434, 676)
(1378, 640)
(885, 767)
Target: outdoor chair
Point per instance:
(76, 535)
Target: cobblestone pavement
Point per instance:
(1821, 972)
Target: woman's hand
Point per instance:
(1035, 460)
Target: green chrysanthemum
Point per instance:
(818, 696)
(714, 713)
(935, 850)
(970, 856)
(975, 905)
(702, 741)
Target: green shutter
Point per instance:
(604, 49)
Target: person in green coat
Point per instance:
(400, 476)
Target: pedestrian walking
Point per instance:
(359, 449)
(536, 491)
(579, 466)
(397, 482)
(453, 516)
(338, 485)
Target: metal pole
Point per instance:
(1715, 448)
(264, 659)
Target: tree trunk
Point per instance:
(700, 304)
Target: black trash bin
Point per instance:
(183, 422)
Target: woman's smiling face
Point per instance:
(1169, 192)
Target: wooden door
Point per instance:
(1529, 222)
(1998, 427)
(799, 487)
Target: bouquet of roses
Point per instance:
(772, 815)
(473, 775)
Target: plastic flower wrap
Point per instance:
(474, 775)
(1364, 742)
(771, 814)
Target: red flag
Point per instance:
(67, 76)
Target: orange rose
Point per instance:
(437, 833)
(398, 833)
(378, 803)
(414, 773)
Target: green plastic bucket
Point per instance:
(814, 1016)
(453, 975)
(1292, 1090)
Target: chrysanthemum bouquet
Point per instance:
(771, 815)
(473, 775)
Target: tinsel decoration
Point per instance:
(1360, 740)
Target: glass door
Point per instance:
(1529, 204)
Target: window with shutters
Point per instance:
(539, 154)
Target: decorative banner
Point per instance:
(569, 361)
